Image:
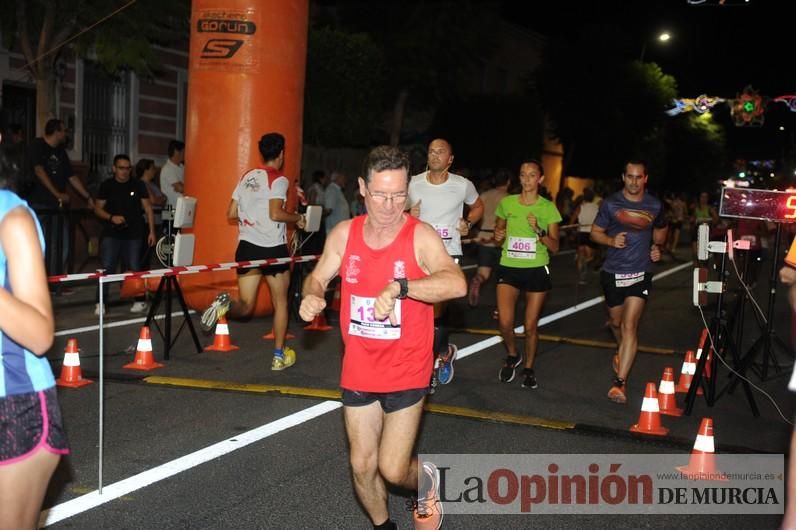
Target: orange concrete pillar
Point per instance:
(245, 78)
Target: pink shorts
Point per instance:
(29, 422)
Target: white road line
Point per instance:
(491, 341)
(114, 491)
(116, 324)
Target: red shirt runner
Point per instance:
(380, 357)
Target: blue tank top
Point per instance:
(20, 371)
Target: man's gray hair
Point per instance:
(382, 158)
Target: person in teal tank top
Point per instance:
(527, 224)
(31, 434)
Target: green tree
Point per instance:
(344, 92)
(488, 130)
(118, 35)
(695, 155)
(601, 107)
(428, 47)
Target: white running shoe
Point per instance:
(138, 307)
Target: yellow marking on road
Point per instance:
(323, 393)
(81, 490)
(500, 417)
(572, 340)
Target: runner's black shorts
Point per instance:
(390, 401)
(249, 252)
(615, 295)
(584, 239)
(488, 256)
(29, 422)
(531, 280)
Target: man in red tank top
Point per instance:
(393, 268)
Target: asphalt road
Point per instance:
(218, 440)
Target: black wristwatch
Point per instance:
(541, 233)
(402, 282)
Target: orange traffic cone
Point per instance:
(649, 422)
(221, 341)
(270, 335)
(790, 259)
(71, 376)
(143, 353)
(702, 465)
(702, 340)
(335, 304)
(687, 374)
(666, 399)
(318, 323)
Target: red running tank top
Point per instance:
(380, 357)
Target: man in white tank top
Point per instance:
(437, 197)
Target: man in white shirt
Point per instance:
(258, 205)
(335, 204)
(437, 197)
(172, 175)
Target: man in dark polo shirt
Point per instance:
(53, 171)
(120, 203)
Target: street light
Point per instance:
(664, 36)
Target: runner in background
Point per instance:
(528, 223)
(437, 197)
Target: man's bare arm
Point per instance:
(232, 210)
(659, 235)
(476, 211)
(81, 189)
(314, 288)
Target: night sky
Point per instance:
(715, 50)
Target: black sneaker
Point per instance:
(507, 373)
(530, 378)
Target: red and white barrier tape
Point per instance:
(174, 271)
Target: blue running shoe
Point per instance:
(445, 370)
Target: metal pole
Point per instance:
(101, 377)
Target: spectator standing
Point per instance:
(172, 174)
(13, 145)
(335, 204)
(121, 203)
(358, 204)
(53, 171)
